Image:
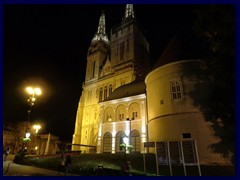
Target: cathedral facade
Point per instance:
(111, 64)
(123, 102)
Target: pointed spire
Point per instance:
(101, 33)
(129, 13)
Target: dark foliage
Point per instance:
(215, 29)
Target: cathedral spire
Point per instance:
(129, 13)
(101, 33)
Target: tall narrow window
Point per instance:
(176, 90)
(100, 94)
(93, 69)
(105, 92)
(117, 50)
(109, 118)
(121, 117)
(110, 90)
(134, 115)
(121, 50)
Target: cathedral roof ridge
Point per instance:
(131, 89)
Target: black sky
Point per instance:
(47, 45)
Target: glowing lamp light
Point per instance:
(27, 135)
(36, 127)
(31, 90)
(38, 91)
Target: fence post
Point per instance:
(156, 157)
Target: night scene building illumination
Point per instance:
(119, 87)
(101, 33)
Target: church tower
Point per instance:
(87, 117)
(110, 64)
(98, 52)
(129, 48)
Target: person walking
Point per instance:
(68, 164)
(128, 168)
(61, 166)
(6, 153)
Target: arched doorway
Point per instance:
(119, 140)
(135, 141)
(107, 142)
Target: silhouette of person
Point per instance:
(61, 167)
(128, 168)
(6, 153)
(68, 163)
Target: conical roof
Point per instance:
(183, 46)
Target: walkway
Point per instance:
(13, 169)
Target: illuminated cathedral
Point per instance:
(125, 101)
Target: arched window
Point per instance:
(121, 113)
(134, 111)
(119, 140)
(135, 141)
(107, 142)
(105, 92)
(108, 115)
(100, 94)
(176, 90)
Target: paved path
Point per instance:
(13, 169)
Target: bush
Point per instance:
(19, 158)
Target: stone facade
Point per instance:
(123, 102)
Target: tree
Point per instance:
(215, 29)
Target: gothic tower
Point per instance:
(129, 48)
(110, 64)
(98, 52)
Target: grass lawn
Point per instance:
(110, 165)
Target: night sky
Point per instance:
(46, 46)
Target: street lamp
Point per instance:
(27, 135)
(36, 127)
(130, 129)
(33, 92)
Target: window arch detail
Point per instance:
(109, 115)
(134, 111)
(121, 113)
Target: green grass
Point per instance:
(87, 164)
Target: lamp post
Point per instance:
(33, 92)
(130, 129)
(36, 127)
